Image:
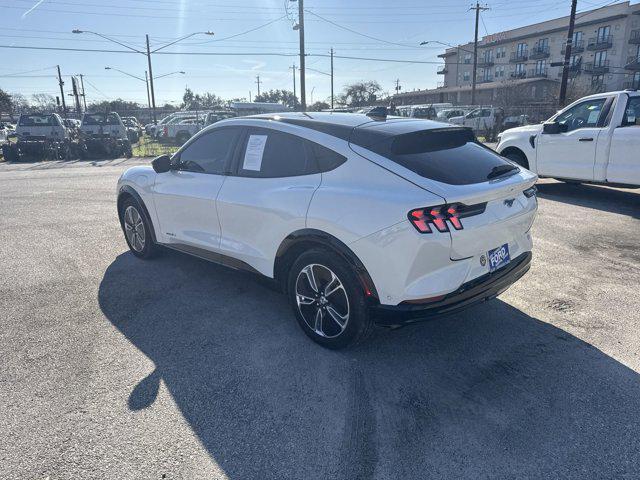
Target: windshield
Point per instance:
(38, 121)
(100, 119)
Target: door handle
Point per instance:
(585, 139)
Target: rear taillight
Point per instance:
(441, 216)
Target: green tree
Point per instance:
(360, 94)
(43, 102)
(123, 107)
(319, 106)
(285, 97)
(196, 101)
(6, 103)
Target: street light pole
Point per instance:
(153, 96)
(331, 77)
(84, 96)
(303, 97)
(567, 56)
(295, 97)
(146, 81)
(148, 55)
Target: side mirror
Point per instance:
(161, 164)
(553, 128)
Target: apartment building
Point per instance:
(605, 56)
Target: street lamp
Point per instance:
(147, 54)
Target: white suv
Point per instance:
(361, 220)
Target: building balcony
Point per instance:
(574, 71)
(484, 63)
(442, 71)
(518, 57)
(633, 63)
(632, 85)
(597, 68)
(521, 74)
(634, 38)
(539, 51)
(600, 43)
(538, 73)
(576, 47)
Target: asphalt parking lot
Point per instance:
(113, 367)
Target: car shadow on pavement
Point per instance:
(625, 202)
(488, 393)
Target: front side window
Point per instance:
(583, 115)
(632, 113)
(211, 152)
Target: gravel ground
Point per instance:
(113, 367)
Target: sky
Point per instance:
(263, 43)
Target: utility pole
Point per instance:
(61, 83)
(153, 97)
(567, 55)
(75, 95)
(84, 96)
(258, 82)
(478, 9)
(398, 87)
(293, 67)
(303, 96)
(249, 96)
(331, 77)
(146, 79)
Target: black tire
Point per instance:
(358, 324)
(10, 153)
(517, 157)
(148, 249)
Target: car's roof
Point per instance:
(342, 125)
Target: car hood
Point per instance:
(524, 129)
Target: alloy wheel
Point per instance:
(322, 300)
(134, 228)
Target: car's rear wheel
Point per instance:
(328, 300)
(136, 230)
(517, 157)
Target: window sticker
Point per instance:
(253, 153)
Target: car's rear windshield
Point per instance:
(447, 155)
(100, 119)
(38, 121)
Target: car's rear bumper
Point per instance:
(478, 290)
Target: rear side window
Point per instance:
(270, 153)
(325, 158)
(449, 155)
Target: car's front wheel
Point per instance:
(136, 230)
(328, 300)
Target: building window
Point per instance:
(500, 71)
(488, 56)
(575, 60)
(603, 34)
(541, 67)
(467, 58)
(520, 70)
(466, 76)
(600, 59)
(521, 50)
(577, 37)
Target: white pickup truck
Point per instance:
(594, 140)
